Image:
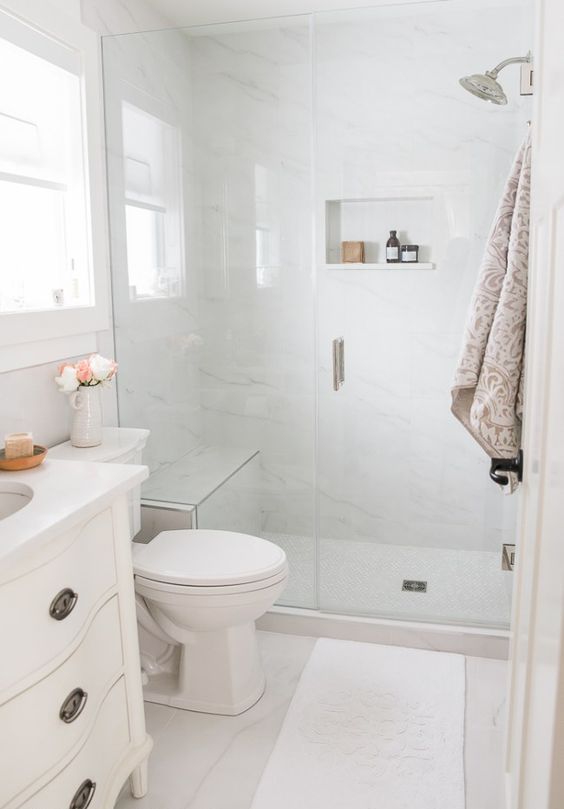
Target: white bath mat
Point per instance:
(371, 727)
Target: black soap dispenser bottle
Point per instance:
(393, 248)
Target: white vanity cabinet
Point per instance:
(72, 725)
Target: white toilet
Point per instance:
(198, 593)
(204, 591)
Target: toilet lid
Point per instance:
(204, 558)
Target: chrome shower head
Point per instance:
(486, 86)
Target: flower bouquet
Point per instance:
(83, 382)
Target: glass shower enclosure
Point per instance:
(240, 157)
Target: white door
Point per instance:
(535, 749)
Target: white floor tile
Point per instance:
(213, 762)
(486, 687)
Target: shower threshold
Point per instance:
(473, 641)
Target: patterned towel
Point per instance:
(487, 394)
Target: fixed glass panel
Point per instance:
(222, 371)
(410, 525)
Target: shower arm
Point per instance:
(514, 60)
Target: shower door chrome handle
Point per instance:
(338, 362)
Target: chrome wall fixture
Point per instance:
(486, 86)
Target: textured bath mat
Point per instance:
(371, 727)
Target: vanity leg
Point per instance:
(139, 780)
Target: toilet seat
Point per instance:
(224, 590)
(208, 562)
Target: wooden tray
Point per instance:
(18, 464)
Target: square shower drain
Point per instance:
(414, 586)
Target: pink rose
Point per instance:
(83, 371)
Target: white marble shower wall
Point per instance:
(252, 92)
(392, 124)
(158, 342)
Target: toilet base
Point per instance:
(163, 690)
(219, 672)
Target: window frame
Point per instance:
(34, 337)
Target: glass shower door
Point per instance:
(409, 524)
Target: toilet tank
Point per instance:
(119, 445)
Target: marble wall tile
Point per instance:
(121, 16)
(236, 505)
(253, 95)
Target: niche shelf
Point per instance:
(410, 210)
(412, 265)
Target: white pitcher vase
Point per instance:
(86, 427)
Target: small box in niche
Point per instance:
(352, 252)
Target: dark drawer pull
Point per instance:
(83, 795)
(73, 706)
(63, 604)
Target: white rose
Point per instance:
(67, 380)
(101, 367)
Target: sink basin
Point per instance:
(13, 497)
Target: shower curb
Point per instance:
(467, 640)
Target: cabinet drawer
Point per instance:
(35, 626)
(95, 762)
(44, 724)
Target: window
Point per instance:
(152, 178)
(44, 260)
(53, 269)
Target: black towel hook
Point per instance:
(506, 465)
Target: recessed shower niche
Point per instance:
(410, 212)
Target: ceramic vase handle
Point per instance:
(76, 401)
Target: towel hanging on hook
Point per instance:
(487, 394)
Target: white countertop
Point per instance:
(64, 494)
